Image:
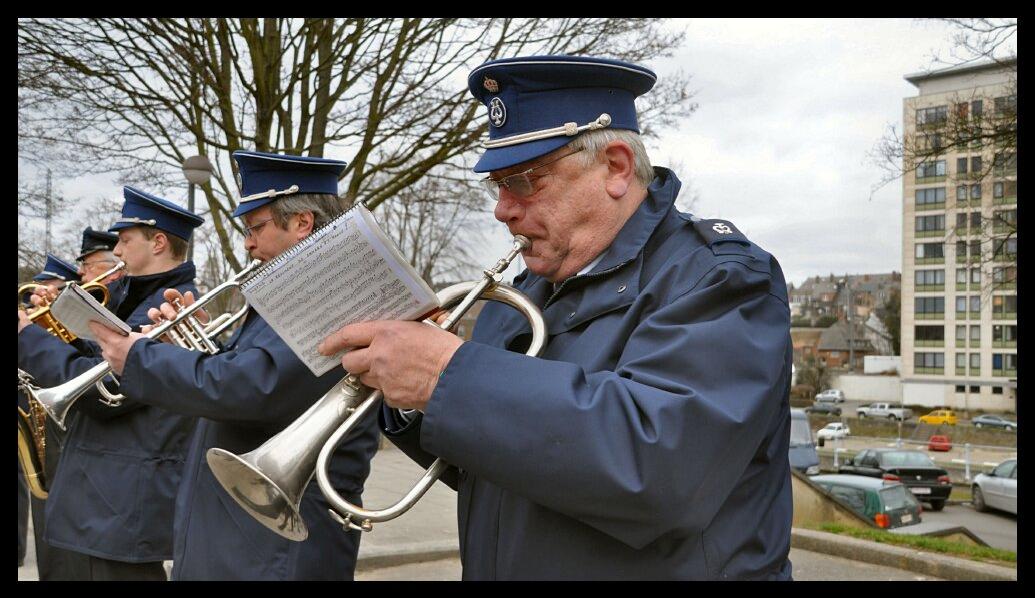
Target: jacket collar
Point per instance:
(132, 290)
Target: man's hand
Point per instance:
(168, 311)
(403, 359)
(43, 296)
(23, 320)
(114, 346)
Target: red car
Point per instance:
(939, 442)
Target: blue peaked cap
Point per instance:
(96, 240)
(266, 177)
(538, 96)
(144, 209)
(57, 268)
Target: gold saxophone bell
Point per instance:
(42, 316)
(32, 441)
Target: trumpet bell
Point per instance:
(257, 494)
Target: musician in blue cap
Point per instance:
(112, 497)
(96, 256)
(650, 440)
(249, 392)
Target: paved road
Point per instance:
(997, 528)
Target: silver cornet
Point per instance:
(269, 481)
(56, 401)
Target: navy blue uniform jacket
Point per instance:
(244, 396)
(114, 490)
(650, 441)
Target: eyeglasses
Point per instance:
(521, 184)
(250, 231)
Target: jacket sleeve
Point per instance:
(407, 438)
(263, 384)
(655, 446)
(52, 362)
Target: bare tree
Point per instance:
(969, 124)
(135, 97)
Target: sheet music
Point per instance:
(346, 272)
(75, 309)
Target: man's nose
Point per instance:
(508, 208)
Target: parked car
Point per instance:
(939, 442)
(802, 454)
(994, 421)
(939, 416)
(834, 430)
(997, 489)
(823, 409)
(930, 483)
(888, 504)
(831, 395)
(885, 410)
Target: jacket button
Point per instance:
(621, 289)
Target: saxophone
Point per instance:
(32, 439)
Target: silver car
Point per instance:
(831, 395)
(998, 489)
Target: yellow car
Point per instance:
(939, 416)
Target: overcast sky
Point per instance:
(788, 112)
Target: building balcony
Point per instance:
(975, 286)
(927, 261)
(961, 371)
(1000, 201)
(939, 371)
(1005, 286)
(929, 233)
(1004, 316)
(975, 315)
(940, 343)
(1005, 373)
(930, 288)
(928, 207)
(961, 343)
(975, 371)
(975, 343)
(927, 180)
(937, 315)
(961, 286)
(1004, 344)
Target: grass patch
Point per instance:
(996, 556)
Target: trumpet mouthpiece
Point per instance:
(522, 241)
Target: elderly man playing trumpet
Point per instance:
(650, 440)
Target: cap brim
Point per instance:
(244, 208)
(505, 157)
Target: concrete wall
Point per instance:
(869, 388)
(878, 364)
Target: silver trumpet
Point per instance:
(269, 481)
(57, 400)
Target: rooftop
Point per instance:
(952, 71)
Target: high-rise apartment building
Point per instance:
(959, 264)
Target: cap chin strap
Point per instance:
(569, 129)
(52, 275)
(135, 220)
(269, 194)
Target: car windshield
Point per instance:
(896, 497)
(906, 458)
(801, 435)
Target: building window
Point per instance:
(930, 169)
(961, 193)
(976, 108)
(1004, 306)
(930, 278)
(997, 390)
(961, 363)
(975, 276)
(1004, 277)
(1004, 335)
(975, 304)
(1004, 163)
(961, 388)
(934, 195)
(975, 250)
(1006, 249)
(961, 333)
(975, 333)
(929, 361)
(935, 222)
(961, 306)
(975, 363)
(1003, 106)
(975, 164)
(975, 191)
(975, 389)
(961, 166)
(961, 273)
(929, 307)
(975, 221)
(930, 251)
(929, 335)
(939, 114)
(1004, 364)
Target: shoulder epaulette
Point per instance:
(718, 231)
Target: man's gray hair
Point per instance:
(324, 207)
(594, 143)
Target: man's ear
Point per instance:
(306, 222)
(160, 242)
(621, 168)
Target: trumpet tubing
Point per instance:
(269, 481)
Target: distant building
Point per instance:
(830, 296)
(838, 343)
(959, 293)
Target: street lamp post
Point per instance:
(197, 170)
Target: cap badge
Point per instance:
(721, 228)
(240, 181)
(491, 85)
(497, 112)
